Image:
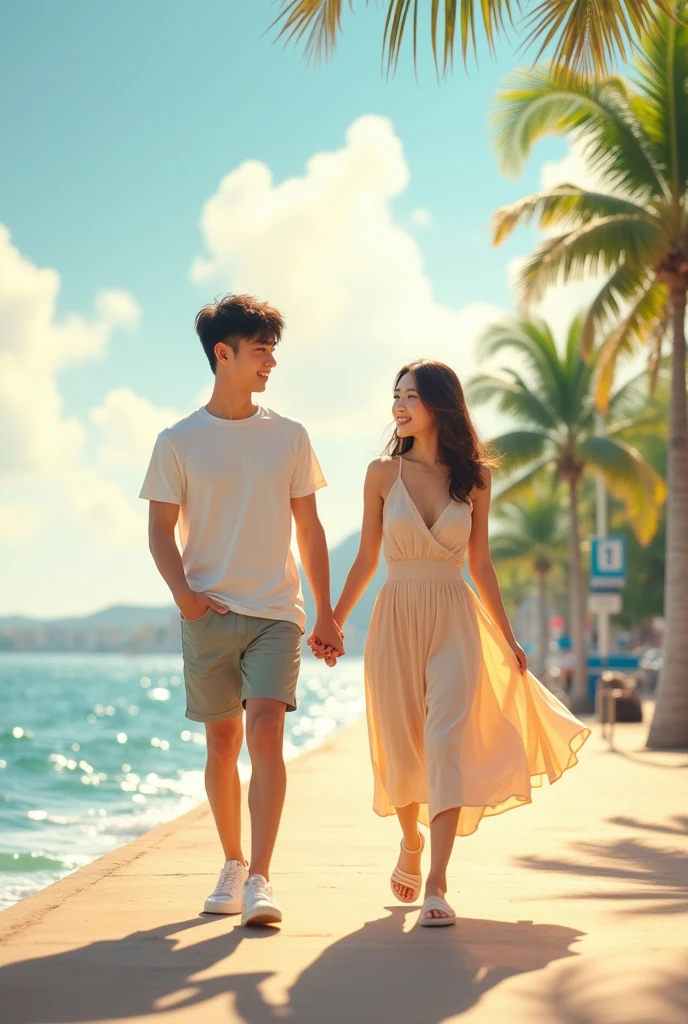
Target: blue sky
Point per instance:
(118, 123)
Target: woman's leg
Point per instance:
(442, 836)
(408, 862)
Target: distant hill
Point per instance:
(121, 628)
(121, 616)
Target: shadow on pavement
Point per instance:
(644, 989)
(659, 873)
(648, 758)
(376, 975)
(384, 975)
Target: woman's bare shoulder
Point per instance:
(382, 473)
(486, 475)
(483, 489)
(384, 466)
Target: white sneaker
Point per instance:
(260, 905)
(226, 898)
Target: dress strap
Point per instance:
(400, 462)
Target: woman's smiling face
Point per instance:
(410, 415)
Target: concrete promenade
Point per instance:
(572, 911)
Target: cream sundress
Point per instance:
(451, 720)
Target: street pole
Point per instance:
(601, 516)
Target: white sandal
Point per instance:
(436, 903)
(412, 882)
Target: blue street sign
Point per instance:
(607, 562)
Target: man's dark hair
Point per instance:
(234, 317)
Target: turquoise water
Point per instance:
(95, 750)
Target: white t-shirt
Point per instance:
(233, 481)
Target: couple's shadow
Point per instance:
(385, 971)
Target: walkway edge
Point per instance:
(30, 910)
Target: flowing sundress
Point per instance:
(451, 720)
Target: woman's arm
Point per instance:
(482, 570)
(366, 561)
(312, 545)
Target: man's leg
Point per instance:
(212, 676)
(264, 736)
(222, 782)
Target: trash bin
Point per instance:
(616, 661)
(622, 689)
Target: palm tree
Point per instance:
(634, 230)
(554, 406)
(532, 536)
(587, 34)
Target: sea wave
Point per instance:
(91, 756)
(31, 862)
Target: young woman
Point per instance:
(458, 726)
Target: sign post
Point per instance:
(607, 576)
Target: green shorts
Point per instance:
(231, 658)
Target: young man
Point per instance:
(232, 475)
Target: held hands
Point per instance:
(520, 655)
(326, 642)
(194, 606)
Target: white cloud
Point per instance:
(37, 440)
(34, 432)
(130, 424)
(421, 217)
(98, 503)
(572, 169)
(19, 521)
(117, 308)
(324, 248)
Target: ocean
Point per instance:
(95, 750)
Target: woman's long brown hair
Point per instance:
(458, 444)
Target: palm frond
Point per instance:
(565, 205)
(585, 37)
(586, 33)
(654, 359)
(512, 397)
(652, 422)
(647, 319)
(459, 18)
(519, 486)
(540, 101)
(629, 399)
(594, 248)
(662, 70)
(630, 479)
(605, 310)
(579, 374)
(537, 519)
(505, 547)
(316, 23)
(534, 341)
(519, 448)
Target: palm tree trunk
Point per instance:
(579, 688)
(670, 725)
(543, 625)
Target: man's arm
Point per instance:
(162, 520)
(312, 544)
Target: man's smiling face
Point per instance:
(249, 368)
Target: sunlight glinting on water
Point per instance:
(98, 751)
